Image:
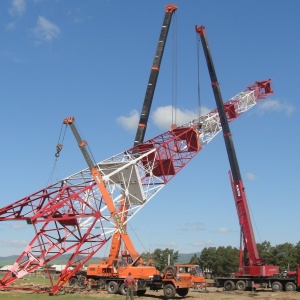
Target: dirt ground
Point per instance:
(212, 294)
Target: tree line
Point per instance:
(223, 261)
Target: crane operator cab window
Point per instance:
(122, 262)
(185, 270)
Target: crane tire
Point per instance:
(290, 287)
(276, 286)
(182, 292)
(123, 289)
(240, 285)
(140, 293)
(101, 284)
(73, 281)
(112, 287)
(169, 271)
(229, 285)
(169, 291)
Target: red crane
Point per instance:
(250, 264)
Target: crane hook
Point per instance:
(58, 149)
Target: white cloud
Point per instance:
(13, 243)
(161, 117)
(166, 244)
(203, 244)
(275, 105)
(196, 226)
(10, 26)
(18, 7)
(129, 123)
(164, 116)
(225, 230)
(170, 244)
(45, 30)
(18, 226)
(250, 176)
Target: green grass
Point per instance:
(21, 296)
(37, 282)
(31, 296)
(33, 280)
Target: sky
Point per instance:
(92, 59)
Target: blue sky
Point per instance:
(92, 59)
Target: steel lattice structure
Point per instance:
(71, 216)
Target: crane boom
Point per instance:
(102, 188)
(142, 126)
(251, 256)
(140, 134)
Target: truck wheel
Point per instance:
(112, 287)
(276, 286)
(229, 285)
(240, 285)
(73, 281)
(170, 271)
(123, 289)
(290, 287)
(101, 284)
(169, 291)
(182, 292)
(140, 293)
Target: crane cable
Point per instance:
(59, 147)
(61, 138)
(137, 237)
(174, 72)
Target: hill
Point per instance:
(62, 260)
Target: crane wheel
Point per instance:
(101, 284)
(182, 292)
(141, 293)
(169, 291)
(276, 286)
(123, 289)
(112, 287)
(73, 281)
(229, 285)
(170, 271)
(240, 285)
(290, 287)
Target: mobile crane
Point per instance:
(110, 273)
(110, 276)
(253, 270)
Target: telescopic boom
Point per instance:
(250, 255)
(140, 134)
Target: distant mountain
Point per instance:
(185, 258)
(8, 260)
(62, 260)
